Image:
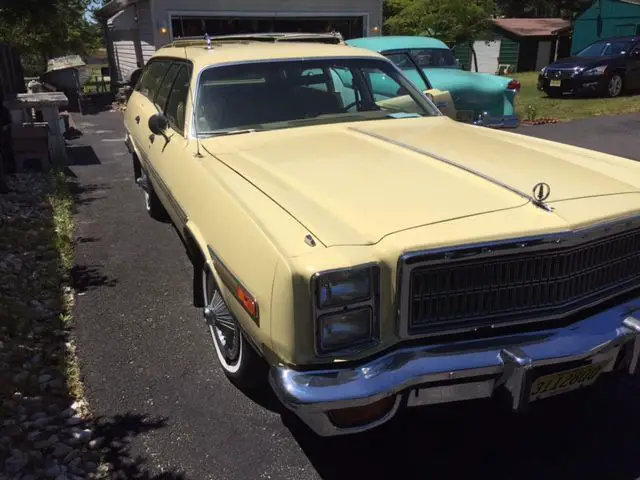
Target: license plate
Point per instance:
(465, 116)
(562, 382)
(555, 83)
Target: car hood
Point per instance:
(356, 183)
(456, 80)
(584, 62)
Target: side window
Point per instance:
(404, 63)
(316, 79)
(177, 104)
(165, 87)
(151, 78)
(343, 80)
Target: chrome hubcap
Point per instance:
(221, 323)
(615, 86)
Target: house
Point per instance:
(136, 28)
(525, 44)
(606, 19)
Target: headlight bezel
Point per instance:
(594, 71)
(320, 313)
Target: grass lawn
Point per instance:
(569, 108)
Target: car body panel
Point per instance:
(297, 168)
(473, 93)
(272, 209)
(570, 72)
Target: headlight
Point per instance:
(595, 71)
(346, 309)
(345, 330)
(343, 287)
(543, 71)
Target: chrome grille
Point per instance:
(525, 285)
(560, 74)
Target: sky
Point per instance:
(92, 5)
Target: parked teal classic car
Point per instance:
(479, 98)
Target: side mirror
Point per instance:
(134, 77)
(158, 125)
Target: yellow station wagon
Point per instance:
(365, 252)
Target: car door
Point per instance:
(633, 68)
(140, 106)
(173, 155)
(442, 99)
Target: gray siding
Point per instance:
(132, 40)
(145, 25)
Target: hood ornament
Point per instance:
(541, 191)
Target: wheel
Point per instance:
(615, 86)
(238, 359)
(152, 203)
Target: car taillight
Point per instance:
(514, 85)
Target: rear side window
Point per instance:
(165, 87)
(151, 78)
(177, 104)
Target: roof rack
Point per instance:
(332, 38)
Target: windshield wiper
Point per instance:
(222, 133)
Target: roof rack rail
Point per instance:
(332, 38)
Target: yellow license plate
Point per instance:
(465, 116)
(555, 83)
(562, 382)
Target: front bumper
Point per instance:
(504, 121)
(576, 85)
(444, 373)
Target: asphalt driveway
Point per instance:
(147, 360)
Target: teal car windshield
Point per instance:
(252, 97)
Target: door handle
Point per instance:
(137, 119)
(152, 137)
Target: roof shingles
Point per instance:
(532, 27)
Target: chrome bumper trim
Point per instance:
(451, 372)
(507, 121)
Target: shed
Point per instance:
(525, 44)
(606, 19)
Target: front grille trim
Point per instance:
(484, 250)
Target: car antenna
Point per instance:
(193, 103)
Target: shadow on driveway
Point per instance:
(582, 435)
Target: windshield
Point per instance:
(283, 94)
(606, 49)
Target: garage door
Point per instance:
(192, 26)
(487, 54)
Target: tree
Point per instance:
(543, 8)
(48, 28)
(452, 21)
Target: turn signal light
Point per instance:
(248, 302)
(358, 416)
(514, 85)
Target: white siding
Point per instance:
(487, 54)
(124, 52)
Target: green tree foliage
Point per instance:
(543, 8)
(452, 21)
(44, 29)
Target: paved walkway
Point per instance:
(145, 350)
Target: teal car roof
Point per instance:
(381, 44)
